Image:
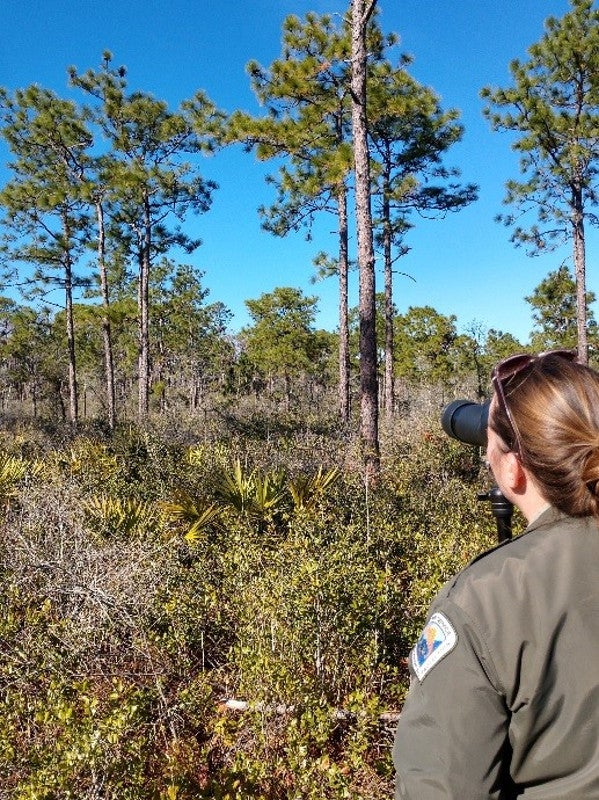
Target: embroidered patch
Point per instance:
(436, 640)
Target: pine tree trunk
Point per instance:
(106, 331)
(389, 360)
(361, 11)
(70, 325)
(344, 366)
(579, 249)
(144, 317)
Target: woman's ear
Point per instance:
(514, 473)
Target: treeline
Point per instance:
(197, 363)
(281, 357)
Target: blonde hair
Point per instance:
(555, 406)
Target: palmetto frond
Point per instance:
(13, 471)
(193, 514)
(236, 488)
(306, 490)
(112, 515)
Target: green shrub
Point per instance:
(279, 582)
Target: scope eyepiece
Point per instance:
(467, 421)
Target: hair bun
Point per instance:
(590, 474)
(592, 486)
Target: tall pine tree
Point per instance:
(150, 180)
(46, 220)
(554, 107)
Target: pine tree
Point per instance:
(409, 134)
(361, 12)
(553, 104)
(306, 96)
(282, 342)
(150, 181)
(553, 304)
(46, 220)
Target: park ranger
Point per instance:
(504, 695)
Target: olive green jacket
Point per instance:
(504, 696)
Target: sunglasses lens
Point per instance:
(511, 366)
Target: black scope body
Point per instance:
(466, 421)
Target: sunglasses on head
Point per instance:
(509, 368)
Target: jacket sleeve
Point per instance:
(451, 741)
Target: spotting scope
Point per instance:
(466, 421)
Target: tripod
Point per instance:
(502, 510)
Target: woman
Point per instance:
(504, 697)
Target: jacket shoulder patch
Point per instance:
(436, 640)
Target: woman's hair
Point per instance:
(555, 406)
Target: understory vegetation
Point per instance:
(190, 612)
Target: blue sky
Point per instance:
(463, 265)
